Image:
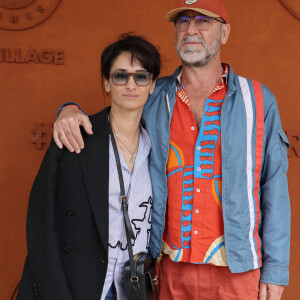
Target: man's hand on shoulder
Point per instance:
(274, 291)
(66, 129)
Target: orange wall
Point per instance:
(264, 45)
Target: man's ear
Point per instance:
(225, 33)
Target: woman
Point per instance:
(75, 230)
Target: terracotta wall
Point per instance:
(57, 59)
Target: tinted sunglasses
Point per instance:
(202, 22)
(141, 78)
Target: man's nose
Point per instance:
(192, 29)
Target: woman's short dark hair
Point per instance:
(140, 49)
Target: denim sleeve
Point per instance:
(69, 103)
(275, 202)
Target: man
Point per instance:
(221, 212)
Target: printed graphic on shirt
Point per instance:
(207, 140)
(140, 227)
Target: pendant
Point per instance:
(131, 159)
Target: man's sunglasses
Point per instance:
(204, 23)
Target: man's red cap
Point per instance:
(211, 8)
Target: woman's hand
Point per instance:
(66, 129)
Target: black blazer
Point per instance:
(67, 221)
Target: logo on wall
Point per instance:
(24, 14)
(42, 134)
(292, 6)
(190, 2)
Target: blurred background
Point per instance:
(50, 54)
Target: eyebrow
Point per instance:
(124, 70)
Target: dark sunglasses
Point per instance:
(140, 78)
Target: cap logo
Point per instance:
(190, 2)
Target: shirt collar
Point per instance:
(144, 145)
(224, 77)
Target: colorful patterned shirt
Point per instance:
(194, 230)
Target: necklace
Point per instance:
(132, 154)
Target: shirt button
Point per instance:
(198, 190)
(199, 169)
(196, 232)
(197, 211)
(199, 148)
(193, 128)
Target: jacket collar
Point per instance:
(231, 81)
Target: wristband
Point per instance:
(72, 105)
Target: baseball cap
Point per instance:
(211, 8)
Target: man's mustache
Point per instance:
(194, 38)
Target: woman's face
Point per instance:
(129, 96)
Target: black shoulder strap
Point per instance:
(124, 202)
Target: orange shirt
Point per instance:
(194, 230)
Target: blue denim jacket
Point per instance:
(256, 206)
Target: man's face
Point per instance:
(196, 48)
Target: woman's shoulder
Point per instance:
(100, 120)
(100, 117)
(100, 127)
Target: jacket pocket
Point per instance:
(284, 143)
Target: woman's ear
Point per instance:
(107, 86)
(152, 88)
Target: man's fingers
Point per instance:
(76, 134)
(70, 136)
(275, 291)
(262, 291)
(273, 296)
(64, 139)
(67, 128)
(87, 125)
(56, 139)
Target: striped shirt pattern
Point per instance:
(138, 189)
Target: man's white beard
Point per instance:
(192, 56)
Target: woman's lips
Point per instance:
(131, 95)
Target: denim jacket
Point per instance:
(255, 199)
